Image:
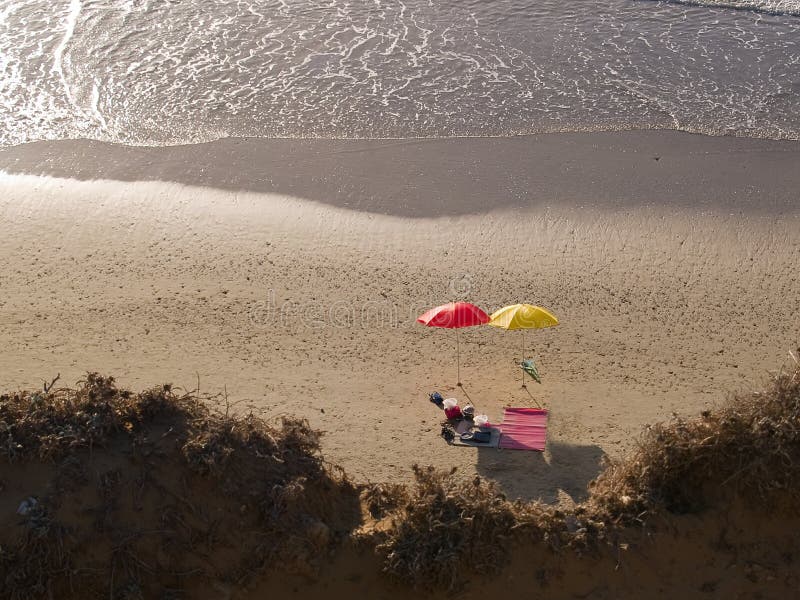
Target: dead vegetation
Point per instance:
(748, 447)
(148, 491)
(447, 530)
(38, 558)
(179, 492)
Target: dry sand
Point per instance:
(675, 281)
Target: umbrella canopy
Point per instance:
(454, 315)
(522, 316)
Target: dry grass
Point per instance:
(48, 424)
(180, 484)
(283, 506)
(749, 446)
(381, 499)
(448, 530)
(28, 568)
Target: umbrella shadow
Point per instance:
(564, 468)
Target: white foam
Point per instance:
(775, 7)
(95, 100)
(154, 73)
(58, 56)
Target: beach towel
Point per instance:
(523, 429)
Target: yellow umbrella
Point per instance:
(522, 317)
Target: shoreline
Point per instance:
(421, 178)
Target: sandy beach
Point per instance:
(288, 275)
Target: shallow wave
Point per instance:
(771, 7)
(159, 72)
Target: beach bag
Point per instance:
(453, 412)
(437, 399)
(482, 437)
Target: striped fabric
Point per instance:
(523, 429)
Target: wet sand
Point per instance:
(457, 176)
(289, 273)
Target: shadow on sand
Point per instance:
(535, 475)
(434, 177)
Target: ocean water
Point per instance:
(154, 72)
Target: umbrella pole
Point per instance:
(458, 361)
(522, 331)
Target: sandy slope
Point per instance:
(298, 307)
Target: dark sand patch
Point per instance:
(456, 176)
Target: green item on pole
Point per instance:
(530, 368)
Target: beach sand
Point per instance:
(288, 274)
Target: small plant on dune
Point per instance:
(381, 499)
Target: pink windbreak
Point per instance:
(524, 429)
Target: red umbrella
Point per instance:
(454, 315)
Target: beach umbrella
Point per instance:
(522, 317)
(454, 315)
